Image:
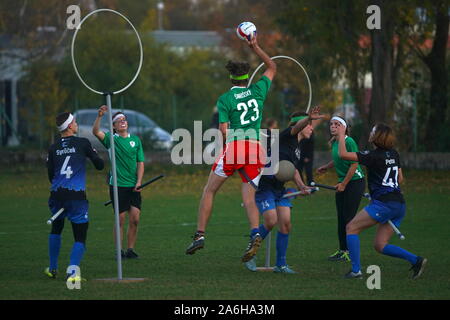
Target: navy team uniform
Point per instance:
(387, 204)
(66, 165)
(387, 199)
(270, 190)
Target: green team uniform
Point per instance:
(242, 107)
(341, 165)
(129, 151)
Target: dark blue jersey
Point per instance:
(66, 165)
(382, 166)
(289, 149)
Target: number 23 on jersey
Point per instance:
(250, 106)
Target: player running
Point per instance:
(242, 108)
(384, 177)
(66, 164)
(269, 198)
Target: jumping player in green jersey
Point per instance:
(240, 115)
(130, 171)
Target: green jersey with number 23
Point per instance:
(242, 107)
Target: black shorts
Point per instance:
(127, 198)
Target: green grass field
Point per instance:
(168, 221)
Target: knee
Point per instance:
(285, 227)
(379, 246)
(249, 202)
(350, 228)
(270, 222)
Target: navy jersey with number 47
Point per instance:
(383, 171)
(66, 164)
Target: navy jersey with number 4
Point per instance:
(383, 170)
(66, 164)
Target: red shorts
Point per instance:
(241, 155)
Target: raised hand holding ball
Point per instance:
(246, 30)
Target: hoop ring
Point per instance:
(140, 48)
(299, 64)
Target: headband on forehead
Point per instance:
(339, 119)
(66, 123)
(118, 116)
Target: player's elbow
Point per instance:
(99, 164)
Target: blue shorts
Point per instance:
(75, 210)
(384, 211)
(269, 199)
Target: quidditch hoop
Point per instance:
(140, 48)
(299, 64)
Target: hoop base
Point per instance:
(124, 280)
(264, 269)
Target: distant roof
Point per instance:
(203, 39)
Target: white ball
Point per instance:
(246, 30)
(286, 171)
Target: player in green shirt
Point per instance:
(130, 171)
(350, 187)
(240, 114)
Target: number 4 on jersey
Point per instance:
(388, 181)
(67, 170)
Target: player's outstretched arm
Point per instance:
(96, 127)
(301, 124)
(343, 154)
(270, 64)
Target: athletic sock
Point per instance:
(77, 253)
(353, 248)
(282, 244)
(254, 231)
(263, 231)
(54, 244)
(394, 251)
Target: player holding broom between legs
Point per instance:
(269, 198)
(384, 176)
(242, 108)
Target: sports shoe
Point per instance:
(131, 254)
(353, 275)
(74, 278)
(336, 256)
(197, 244)
(418, 267)
(283, 269)
(345, 256)
(252, 248)
(251, 265)
(50, 273)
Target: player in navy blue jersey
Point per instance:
(269, 198)
(66, 165)
(384, 178)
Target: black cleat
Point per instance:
(418, 267)
(252, 248)
(131, 254)
(353, 275)
(197, 244)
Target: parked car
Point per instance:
(138, 124)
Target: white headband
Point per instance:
(342, 121)
(117, 117)
(66, 123)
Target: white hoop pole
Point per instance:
(299, 64)
(268, 240)
(140, 48)
(112, 150)
(115, 190)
